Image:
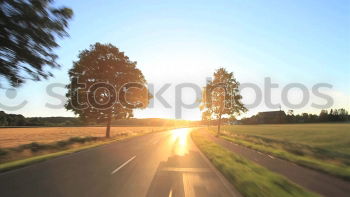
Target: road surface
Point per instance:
(165, 164)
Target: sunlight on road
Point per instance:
(179, 136)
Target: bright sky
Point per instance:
(177, 42)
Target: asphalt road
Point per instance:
(165, 164)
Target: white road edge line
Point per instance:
(124, 164)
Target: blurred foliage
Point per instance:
(28, 32)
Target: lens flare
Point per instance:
(179, 136)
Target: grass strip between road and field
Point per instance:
(340, 171)
(24, 162)
(58, 149)
(249, 179)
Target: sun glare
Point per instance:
(179, 136)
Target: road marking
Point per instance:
(189, 184)
(189, 170)
(124, 164)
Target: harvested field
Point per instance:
(11, 137)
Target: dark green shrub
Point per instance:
(3, 152)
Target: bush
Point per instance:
(3, 152)
(62, 143)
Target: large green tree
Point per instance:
(221, 96)
(28, 32)
(105, 85)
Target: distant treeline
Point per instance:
(333, 115)
(18, 120)
(155, 122)
(12, 120)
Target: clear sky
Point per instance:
(291, 41)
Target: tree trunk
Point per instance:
(108, 129)
(219, 125)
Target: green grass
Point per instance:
(332, 137)
(250, 179)
(324, 147)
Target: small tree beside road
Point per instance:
(221, 97)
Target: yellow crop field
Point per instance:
(11, 137)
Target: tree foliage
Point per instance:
(11, 119)
(100, 85)
(15, 120)
(28, 32)
(222, 96)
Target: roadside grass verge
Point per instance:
(23, 155)
(24, 162)
(340, 170)
(322, 159)
(250, 179)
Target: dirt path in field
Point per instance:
(321, 183)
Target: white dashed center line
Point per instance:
(124, 164)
